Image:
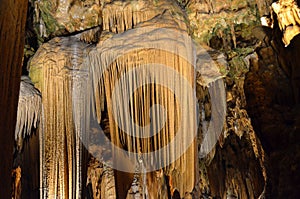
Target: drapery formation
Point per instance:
(58, 72)
(54, 71)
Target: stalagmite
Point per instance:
(101, 180)
(29, 110)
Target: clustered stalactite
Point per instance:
(26, 153)
(58, 68)
(29, 110)
(144, 98)
(56, 71)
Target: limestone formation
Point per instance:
(158, 99)
(55, 70)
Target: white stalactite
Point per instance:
(29, 110)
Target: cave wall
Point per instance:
(272, 92)
(236, 168)
(262, 92)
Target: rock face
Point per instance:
(116, 87)
(56, 18)
(228, 27)
(270, 104)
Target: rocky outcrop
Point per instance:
(227, 27)
(270, 105)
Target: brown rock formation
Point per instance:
(272, 91)
(12, 29)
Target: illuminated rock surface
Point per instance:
(54, 70)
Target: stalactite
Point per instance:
(57, 71)
(288, 16)
(89, 36)
(29, 110)
(119, 16)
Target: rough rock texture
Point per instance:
(236, 168)
(272, 90)
(55, 18)
(222, 23)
